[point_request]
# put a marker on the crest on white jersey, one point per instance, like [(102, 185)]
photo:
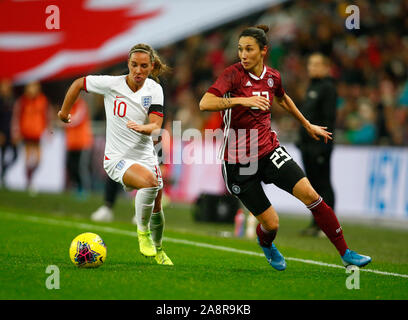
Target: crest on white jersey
[(146, 101), (120, 164), (248, 84)]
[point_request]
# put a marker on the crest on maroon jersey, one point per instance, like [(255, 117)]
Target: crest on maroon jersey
[(236, 189)]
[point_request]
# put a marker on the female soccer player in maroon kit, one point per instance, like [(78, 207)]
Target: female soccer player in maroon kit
[(251, 151)]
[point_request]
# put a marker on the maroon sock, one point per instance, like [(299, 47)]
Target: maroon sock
[(265, 237), (328, 223)]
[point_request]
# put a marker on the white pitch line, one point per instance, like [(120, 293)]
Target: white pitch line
[(88, 226)]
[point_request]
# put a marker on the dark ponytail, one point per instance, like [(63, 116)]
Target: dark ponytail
[(258, 33)]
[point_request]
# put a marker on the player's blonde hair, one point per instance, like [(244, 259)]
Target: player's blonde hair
[(159, 66)]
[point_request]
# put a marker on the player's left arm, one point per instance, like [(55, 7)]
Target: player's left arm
[(313, 130), (155, 114), (151, 128)]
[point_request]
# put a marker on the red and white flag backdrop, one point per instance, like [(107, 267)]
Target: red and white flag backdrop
[(50, 39)]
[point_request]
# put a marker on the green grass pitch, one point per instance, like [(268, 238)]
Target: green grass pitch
[(36, 232)]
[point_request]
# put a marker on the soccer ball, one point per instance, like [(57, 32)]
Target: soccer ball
[(87, 250)]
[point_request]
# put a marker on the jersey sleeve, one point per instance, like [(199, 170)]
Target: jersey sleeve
[(158, 96), (157, 101), (224, 83), (279, 91), (97, 84)]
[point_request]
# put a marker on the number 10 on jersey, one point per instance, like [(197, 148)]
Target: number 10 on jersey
[(119, 109)]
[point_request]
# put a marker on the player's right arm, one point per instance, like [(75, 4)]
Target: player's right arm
[(229, 81), (70, 98), (210, 102)]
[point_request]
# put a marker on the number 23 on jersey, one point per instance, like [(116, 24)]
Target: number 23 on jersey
[(260, 94)]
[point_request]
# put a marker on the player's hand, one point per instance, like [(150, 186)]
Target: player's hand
[(317, 131), (64, 117), (135, 126), (259, 102)]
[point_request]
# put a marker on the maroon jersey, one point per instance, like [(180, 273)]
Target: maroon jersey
[(236, 82)]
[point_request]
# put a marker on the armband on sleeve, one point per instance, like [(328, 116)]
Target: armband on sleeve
[(156, 109)]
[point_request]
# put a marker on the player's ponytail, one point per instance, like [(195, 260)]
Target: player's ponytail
[(263, 27), (258, 33), (159, 67)]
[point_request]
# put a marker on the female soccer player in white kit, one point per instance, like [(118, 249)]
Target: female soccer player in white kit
[(134, 110)]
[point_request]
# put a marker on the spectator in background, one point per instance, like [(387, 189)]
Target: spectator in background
[(105, 212), (31, 119), (319, 107), (6, 141), (384, 100), (402, 112), (360, 119), (79, 139)]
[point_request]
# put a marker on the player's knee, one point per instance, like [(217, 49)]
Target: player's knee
[(152, 182), (269, 220), (304, 191), (272, 225)]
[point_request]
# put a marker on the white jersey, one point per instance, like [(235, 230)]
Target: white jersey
[(122, 105)]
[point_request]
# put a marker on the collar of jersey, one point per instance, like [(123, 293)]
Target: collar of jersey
[(130, 90), (258, 78)]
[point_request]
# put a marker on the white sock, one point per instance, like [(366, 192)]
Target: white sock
[(144, 203), (157, 227)]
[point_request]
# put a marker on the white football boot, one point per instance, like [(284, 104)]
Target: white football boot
[(103, 214)]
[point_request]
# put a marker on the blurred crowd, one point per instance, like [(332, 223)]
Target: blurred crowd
[(27, 118), (369, 64)]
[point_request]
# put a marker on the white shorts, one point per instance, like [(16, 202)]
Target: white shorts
[(116, 168)]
